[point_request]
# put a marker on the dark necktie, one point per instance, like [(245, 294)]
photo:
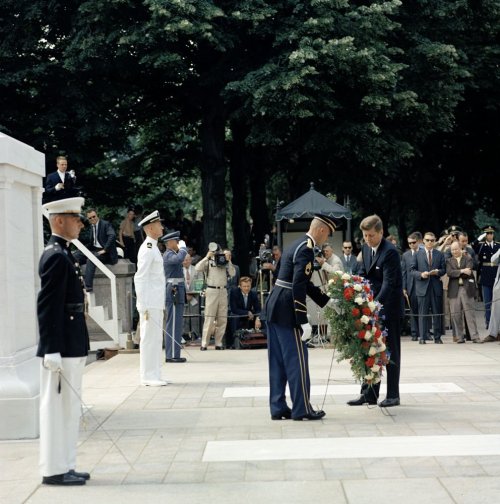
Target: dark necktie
[(430, 258), (94, 235)]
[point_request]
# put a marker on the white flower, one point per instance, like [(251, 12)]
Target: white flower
[(331, 281), (377, 380), (346, 276), (368, 336), (369, 377), (358, 287), (381, 347), (372, 306), (365, 319), (373, 350), (375, 368), (358, 300)]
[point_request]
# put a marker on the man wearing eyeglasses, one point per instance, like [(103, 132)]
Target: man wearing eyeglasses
[(427, 266), (486, 247), (409, 291), (349, 261)]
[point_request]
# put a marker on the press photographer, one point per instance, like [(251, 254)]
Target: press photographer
[(217, 269)]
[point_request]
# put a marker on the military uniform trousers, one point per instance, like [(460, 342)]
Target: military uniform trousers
[(174, 324), (60, 416), (151, 343), (288, 362), (215, 311)]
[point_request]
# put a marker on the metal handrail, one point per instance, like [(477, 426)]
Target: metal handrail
[(112, 277)]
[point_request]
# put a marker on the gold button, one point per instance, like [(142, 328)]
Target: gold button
[(71, 317)]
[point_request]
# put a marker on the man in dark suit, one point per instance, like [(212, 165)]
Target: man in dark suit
[(409, 282), (288, 326), (427, 268), (245, 308), (63, 346), (348, 259), (60, 184), (102, 244), (382, 267)]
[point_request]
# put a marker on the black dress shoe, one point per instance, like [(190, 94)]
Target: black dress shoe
[(83, 475), (66, 479), (360, 401), (176, 359), (284, 415), (421, 342), (439, 341), (388, 402), (219, 348), (314, 415), (203, 348)]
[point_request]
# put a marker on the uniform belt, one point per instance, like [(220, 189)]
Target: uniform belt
[(488, 264), (284, 284), (215, 287), (175, 281), (73, 307)]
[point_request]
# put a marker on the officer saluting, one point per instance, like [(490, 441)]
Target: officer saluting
[(485, 247), (176, 293), (286, 316), (63, 346), (149, 283)]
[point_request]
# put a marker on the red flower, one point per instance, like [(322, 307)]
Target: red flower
[(358, 324), (366, 288), (348, 293), (361, 334), (366, 311), (355, 312), (370, 361)]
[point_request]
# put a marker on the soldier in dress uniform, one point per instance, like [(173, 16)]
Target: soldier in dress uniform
[(175, 294), (288, 326), (149, 283), (63, 346), (485, 247)]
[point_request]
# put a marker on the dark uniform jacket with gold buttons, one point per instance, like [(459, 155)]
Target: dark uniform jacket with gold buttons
[(286, 304), (487, 270), (61, 317)]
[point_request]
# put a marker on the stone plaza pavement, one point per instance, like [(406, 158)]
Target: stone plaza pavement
[(208, 436)]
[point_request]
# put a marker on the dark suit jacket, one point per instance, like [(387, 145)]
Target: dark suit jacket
[(453, 271), (51, 194), (237, 304), (420, 264), (107, 238), (351, 266), (384, 274), (408, 280), (62, 329), (287, 306)]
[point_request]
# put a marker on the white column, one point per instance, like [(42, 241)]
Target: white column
[(21, 243)]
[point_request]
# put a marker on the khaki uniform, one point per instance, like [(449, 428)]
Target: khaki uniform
[(215, 298)]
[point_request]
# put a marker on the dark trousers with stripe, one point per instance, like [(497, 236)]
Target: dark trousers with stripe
[(288, 362)]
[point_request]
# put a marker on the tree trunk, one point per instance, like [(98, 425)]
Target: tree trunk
[(213, 172), (258, 206), (238, 171)]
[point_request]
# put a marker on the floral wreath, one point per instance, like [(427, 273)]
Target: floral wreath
[(357, 332)]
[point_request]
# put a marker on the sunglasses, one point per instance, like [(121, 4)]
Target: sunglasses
[(412, 243), (489, 232), (348, 248), (92, 217), (429, 239)]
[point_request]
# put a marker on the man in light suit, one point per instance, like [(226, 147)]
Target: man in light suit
[(409, 290), (349, 261), (427, 267), (60, 184), (382, 267)]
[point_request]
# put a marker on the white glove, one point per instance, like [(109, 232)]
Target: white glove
[(481, 237), (53, 362), (182, 244), (334, 303), (307, 332), (59, 186)]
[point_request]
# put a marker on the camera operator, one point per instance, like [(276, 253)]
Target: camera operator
[(327, 261), (273, 264), (217, 268)]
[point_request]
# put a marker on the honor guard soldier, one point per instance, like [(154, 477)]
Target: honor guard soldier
[(63, 346), (217, 267), (149, 283), (175, 294), (288, 326), (485, 247)]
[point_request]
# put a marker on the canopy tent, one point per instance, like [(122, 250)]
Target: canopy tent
[(306, 206), (310, 203)]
